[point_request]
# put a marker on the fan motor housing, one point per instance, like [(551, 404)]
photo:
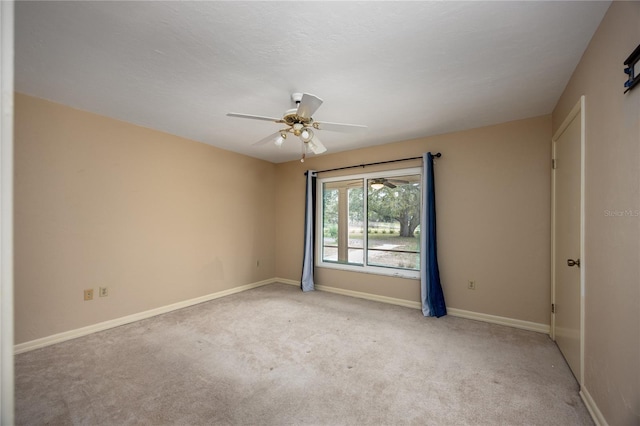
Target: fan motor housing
[(291, 117)]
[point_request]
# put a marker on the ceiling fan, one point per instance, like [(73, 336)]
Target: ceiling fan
[(379, 183), (299, 122)]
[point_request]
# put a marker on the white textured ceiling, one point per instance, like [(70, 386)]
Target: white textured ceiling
[(404, 69)]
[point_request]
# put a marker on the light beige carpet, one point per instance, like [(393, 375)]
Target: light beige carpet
[(276, 356)]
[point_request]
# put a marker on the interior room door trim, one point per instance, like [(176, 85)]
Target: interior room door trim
[(6, 213), (578, 109)]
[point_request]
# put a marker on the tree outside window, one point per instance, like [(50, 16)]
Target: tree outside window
[(379, 233)]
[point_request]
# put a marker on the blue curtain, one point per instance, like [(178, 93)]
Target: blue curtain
[(306, 282), (430, 287)]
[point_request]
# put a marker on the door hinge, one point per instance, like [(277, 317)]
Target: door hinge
[(553, 163), (553, 308)]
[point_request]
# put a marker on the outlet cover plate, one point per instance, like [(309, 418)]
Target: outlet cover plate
[(88, 294)]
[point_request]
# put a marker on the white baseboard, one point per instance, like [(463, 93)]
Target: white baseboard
[(73, 334), (374, 297), (286, 281), (596, 415), (494, 319), (510, 322), (79, 332)]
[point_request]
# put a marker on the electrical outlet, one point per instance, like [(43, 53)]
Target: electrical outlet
[(471, 285), (103, 291), (88, 294)]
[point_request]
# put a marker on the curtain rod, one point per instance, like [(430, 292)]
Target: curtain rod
[(437, 155)]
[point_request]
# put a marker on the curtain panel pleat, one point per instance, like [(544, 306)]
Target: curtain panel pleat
[(306, 282), (430, 287)]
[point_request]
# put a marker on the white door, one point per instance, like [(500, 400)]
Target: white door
[(567, 239)]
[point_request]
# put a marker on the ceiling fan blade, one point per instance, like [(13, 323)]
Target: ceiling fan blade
[(339, 127), (316, 146), (255, 117), (308, 105), (270, 138), (388, 184)]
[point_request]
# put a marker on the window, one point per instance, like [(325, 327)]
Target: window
[(371, 222)]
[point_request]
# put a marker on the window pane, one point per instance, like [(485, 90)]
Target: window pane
[(330, 224), (342, 222), (356, 224), (393, 213)]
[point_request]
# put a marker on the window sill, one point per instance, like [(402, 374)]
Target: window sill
[(390, 272)]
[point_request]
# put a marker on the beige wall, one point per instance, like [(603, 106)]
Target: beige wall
[(493, 206), (612, 243), (156, 218)]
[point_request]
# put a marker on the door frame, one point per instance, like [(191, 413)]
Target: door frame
[(578, 109), (6, 215)]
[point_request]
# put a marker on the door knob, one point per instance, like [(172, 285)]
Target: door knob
[(571, 262)]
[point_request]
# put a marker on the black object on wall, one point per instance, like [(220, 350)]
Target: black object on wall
[(632, 69)]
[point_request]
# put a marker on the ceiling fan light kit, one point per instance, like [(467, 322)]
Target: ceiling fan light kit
[(300, 122), (306, 135), (280, 139)]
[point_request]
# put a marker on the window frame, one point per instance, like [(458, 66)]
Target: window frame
[(319, 231)]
